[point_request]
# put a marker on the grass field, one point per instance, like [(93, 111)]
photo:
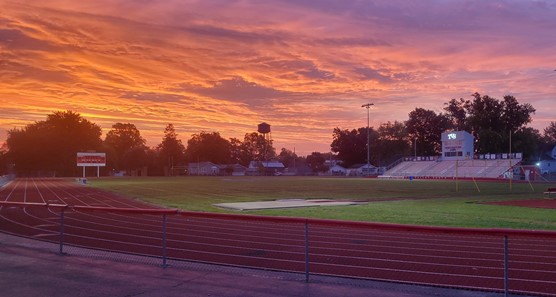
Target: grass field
[(419, 202)]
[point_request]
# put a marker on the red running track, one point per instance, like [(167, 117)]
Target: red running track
[(453, 257)]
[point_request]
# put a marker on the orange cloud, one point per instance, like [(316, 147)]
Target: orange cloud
[(303, 66)]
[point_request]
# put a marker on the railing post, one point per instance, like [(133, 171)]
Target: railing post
[(506, 269), (306, 251), (62, 230), (164, 265)]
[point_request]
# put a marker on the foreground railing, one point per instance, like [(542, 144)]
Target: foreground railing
[(502, 260)]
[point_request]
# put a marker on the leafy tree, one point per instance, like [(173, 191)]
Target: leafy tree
[(550, 133), (490, 120), (316, 161), (426, 126), (4, 160), (351, 146), (171, 150), (236, 152), (457, 112), (527, 141), (52, 145), (126, 141), (208, 147), (287, 157), (256, 148), (392, 143)]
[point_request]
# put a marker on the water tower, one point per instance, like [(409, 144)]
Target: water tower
[(264, 129)]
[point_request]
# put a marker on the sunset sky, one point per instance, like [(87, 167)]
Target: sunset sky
[(305, 67)]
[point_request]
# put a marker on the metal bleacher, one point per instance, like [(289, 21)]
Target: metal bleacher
[(473, 168)]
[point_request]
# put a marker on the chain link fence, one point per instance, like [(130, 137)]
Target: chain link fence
[(498, 260)]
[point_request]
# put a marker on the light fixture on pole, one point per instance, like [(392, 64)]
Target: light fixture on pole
[(368, 106)]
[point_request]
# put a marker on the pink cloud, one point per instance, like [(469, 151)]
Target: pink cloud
[(303, 66)]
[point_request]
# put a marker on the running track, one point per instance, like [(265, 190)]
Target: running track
[(432, 256)]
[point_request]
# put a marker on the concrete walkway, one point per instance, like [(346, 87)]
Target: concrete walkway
[(32, 268)]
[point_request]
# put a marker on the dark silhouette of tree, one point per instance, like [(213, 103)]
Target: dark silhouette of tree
[(491, 121), (126, 141), (393, 142), (4, 161), (550, 133), (288, 157), (527, 140), (256, 148), (457, 112), (208, 147), (52, 145), (316, 161), (171, 150), (351, 146), (426, 126), (236, 152)]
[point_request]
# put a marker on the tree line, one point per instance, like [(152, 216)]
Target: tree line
[(497, 125), (50, 146)]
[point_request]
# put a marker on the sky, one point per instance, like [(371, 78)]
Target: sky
[(303, 66)]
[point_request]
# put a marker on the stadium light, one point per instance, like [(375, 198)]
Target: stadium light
[(368, 106)]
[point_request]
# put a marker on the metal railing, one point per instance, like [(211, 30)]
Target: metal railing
[(501, 260)]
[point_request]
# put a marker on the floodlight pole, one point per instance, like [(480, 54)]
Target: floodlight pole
[(415, 149), (368, 106)]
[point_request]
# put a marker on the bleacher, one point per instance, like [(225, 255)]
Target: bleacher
[(473, 168)]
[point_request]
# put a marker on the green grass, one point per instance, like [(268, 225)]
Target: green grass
[(420, 202)]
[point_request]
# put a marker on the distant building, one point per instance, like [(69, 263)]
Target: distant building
[(362, 170), (265, 168), (232, 169), (203, 168), (338, 170)]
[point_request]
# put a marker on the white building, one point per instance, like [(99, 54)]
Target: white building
[(338, 170)]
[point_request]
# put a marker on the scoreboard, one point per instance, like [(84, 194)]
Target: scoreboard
[(91, 159)]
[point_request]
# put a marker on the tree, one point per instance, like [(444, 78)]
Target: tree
[(426, 127), (125, 138), (351, 146), (171, 150), (316, 161), (52, 145), (550, 133), (208, 147), (236, 152), (287, 157), (527, 140), (490, 120), (457, 112), (256, 148), (392, 143)]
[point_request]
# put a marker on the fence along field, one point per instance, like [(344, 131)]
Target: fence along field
[(468, 258)]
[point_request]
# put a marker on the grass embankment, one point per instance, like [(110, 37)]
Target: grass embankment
[(436, 203)]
